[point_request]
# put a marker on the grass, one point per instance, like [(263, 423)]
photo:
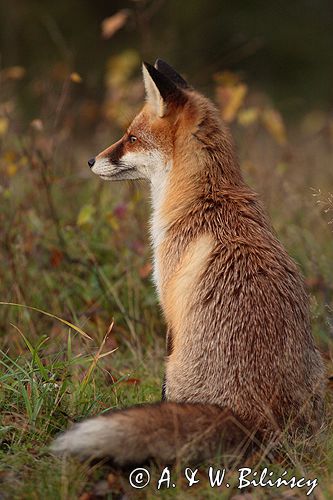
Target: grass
[(75, 257)]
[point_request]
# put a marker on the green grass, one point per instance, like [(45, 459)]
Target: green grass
[(78, 249), (43, 391), (40, 394)]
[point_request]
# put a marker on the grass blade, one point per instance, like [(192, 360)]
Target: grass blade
[(74, 327)]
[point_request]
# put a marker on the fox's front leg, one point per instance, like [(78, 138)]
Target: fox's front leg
[(164, 389), (169, 349)]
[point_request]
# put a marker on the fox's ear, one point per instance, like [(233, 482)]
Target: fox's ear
[(160, 90), (171, 73)]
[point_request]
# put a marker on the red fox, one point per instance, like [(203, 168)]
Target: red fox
[(241, 359)]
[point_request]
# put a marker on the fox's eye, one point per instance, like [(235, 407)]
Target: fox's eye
[(132, 139)]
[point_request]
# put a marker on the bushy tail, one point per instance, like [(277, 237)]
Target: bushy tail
[(165, 432)]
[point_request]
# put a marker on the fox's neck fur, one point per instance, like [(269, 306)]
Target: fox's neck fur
[(198, 185)]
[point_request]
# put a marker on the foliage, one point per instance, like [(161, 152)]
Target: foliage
[(75, 250)]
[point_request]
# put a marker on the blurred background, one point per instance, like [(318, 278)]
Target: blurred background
[(74, 250), (282, 47), (70, 81)]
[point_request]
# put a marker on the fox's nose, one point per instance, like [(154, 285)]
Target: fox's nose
[(91, 162)]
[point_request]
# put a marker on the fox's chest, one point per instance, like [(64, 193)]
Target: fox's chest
[(169, 241), (157, 234), (158, 225)]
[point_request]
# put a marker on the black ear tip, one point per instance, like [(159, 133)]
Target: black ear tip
[(154, 73), (165, 85), (147, 65), (161, 65), (168, 71), (158, 62)]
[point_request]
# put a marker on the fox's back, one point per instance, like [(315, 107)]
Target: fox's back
[(238, 315)]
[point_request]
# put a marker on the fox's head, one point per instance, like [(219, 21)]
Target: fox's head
[(176, 129)]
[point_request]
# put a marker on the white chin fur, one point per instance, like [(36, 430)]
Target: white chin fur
[(103, 168)]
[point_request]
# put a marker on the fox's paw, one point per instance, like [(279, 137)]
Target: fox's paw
[(95, 438)]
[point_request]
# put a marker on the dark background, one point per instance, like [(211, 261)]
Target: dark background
[(283, 47)]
